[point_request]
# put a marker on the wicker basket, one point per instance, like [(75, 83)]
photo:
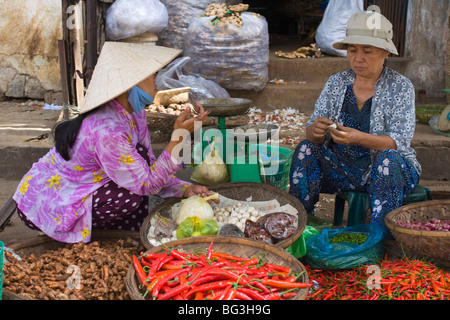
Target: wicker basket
[(39, 245), (429, 244), (160, 126), (240, 247), (237, 191)]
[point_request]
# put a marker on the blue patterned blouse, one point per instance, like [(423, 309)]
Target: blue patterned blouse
[(392, 112)]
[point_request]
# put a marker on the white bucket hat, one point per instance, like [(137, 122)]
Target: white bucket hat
[(368, 27), (121, 66)]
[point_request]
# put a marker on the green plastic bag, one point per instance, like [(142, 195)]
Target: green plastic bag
[(194, 226), (298, 248)]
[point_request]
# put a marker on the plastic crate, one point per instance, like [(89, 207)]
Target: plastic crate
[(2, 246)]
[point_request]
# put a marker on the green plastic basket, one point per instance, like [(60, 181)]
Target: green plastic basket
[(2, 246), (276, 161)]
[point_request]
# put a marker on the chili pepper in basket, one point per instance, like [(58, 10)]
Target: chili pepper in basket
[(227, 256), (139, 270), (166, 278), (183, 286), (227, 273), (255, 295), (280, 295), (209, 286), (209, 254), (228, 294), (284, 284), (156, 278), (210, 274)]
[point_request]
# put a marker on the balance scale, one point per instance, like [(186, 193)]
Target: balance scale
[(240, 147)]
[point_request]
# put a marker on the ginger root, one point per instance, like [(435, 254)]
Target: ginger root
[(102, 268)]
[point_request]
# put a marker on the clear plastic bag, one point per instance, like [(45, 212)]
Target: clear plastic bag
[(173, 76), (333, 26), (236, 58), (181, 13), (324, 255), (130, 18)]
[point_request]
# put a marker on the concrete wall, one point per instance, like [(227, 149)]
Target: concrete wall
[(426, 38), (29, 59)]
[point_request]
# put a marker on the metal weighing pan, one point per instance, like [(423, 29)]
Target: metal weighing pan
[(226, 107), (257, 131)]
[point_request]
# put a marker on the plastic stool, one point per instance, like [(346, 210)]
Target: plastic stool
[(358, 205)]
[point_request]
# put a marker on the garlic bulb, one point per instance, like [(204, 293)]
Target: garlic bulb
[(236, 214)]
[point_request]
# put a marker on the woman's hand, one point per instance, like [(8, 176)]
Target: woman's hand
[(184, 126), (317, 131), (350, 136), (183, 122), (197, 190), (345, 135)]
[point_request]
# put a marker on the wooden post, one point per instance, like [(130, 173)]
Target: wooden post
[(63, 73), (77, 58), (91, 23)]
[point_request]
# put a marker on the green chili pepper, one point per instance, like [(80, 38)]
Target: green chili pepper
[(352, 237)]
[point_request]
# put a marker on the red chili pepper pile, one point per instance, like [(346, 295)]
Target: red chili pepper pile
[(213, 275), (399, 279)]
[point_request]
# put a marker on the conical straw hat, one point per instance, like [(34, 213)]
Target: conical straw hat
[(121, 66)]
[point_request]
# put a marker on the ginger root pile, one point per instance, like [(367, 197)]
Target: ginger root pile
[(173, 108), (224, 14), (52, 275), (310, 51)]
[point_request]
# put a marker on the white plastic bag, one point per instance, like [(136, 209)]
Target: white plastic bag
[(196, 206), (130, 18), (333, 26), (236, 58), (173, 76), (212, 170)]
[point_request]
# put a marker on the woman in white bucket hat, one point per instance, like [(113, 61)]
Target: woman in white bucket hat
[(102, 168), (358, 138)]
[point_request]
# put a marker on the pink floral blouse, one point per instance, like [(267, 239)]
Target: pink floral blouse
[(56, 195)]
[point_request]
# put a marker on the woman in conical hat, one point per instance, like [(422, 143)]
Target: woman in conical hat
[(102, 168), (359, 136)]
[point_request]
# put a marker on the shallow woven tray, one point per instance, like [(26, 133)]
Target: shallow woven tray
[(39, 245), (432, 244), (241, 247), (237, 191)]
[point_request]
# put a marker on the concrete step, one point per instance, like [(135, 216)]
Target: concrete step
[(318, 69), (313, 69)]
